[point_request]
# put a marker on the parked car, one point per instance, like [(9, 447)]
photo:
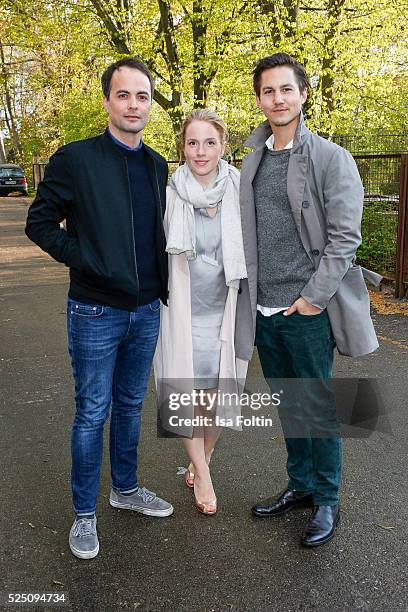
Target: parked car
[(12, 179)]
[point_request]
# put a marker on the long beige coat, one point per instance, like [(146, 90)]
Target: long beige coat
[(173, 360)]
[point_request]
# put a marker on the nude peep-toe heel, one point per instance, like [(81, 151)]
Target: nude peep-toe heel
[(189, 475), (189, 478), (206, 507)]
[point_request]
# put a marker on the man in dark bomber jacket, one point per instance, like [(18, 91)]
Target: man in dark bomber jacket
[(111, 191)]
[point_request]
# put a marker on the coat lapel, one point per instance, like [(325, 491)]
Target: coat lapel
[(296, 182), (297, 174), (250, 166)]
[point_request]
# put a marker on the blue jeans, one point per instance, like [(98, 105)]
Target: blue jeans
[(111, 352)]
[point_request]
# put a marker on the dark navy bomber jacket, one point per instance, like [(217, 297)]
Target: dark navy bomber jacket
[(87, 184)]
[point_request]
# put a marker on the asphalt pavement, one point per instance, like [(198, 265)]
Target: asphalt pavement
[(186, 562)]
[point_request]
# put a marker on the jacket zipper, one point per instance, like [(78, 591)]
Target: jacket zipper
[(158, 193), (161, 215), (133, 231)]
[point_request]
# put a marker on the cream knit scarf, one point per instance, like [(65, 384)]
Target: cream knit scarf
[(190, 194)]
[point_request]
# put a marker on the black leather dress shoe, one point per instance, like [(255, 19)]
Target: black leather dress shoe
[(321, 525), (285, 501)]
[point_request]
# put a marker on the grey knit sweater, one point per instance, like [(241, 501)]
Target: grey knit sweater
[(283, 265)]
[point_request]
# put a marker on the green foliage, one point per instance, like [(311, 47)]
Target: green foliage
[(83, 115), (201, 52), (379, 233)]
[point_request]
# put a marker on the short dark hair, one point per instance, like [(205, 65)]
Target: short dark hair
[(130, 62), (279, 59)]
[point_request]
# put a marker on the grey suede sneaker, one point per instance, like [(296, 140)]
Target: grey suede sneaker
[(143, 501), (83, 539)]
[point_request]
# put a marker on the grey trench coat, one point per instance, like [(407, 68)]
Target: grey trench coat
[(326, 197)]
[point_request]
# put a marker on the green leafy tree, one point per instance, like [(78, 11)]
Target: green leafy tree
[(202, 53)]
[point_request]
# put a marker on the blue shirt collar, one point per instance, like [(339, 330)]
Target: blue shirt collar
[(123, 145)]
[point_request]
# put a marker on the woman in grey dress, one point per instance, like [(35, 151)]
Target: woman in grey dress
[(206, 264)]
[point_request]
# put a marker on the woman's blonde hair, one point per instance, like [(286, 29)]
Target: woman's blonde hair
[(203, 114)]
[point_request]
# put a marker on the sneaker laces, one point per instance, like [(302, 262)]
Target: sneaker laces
[(147, 495), (84, 528)]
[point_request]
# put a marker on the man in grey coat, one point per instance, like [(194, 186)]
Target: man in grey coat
[(301, 204)]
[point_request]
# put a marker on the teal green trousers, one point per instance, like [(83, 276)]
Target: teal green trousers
[(296, 355)]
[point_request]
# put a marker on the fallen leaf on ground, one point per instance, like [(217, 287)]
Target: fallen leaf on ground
[(387, 305), (386, 527)]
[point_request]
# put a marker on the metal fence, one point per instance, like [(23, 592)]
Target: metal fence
[(380, 175), (38, 168), (372, 144), (382, 162)]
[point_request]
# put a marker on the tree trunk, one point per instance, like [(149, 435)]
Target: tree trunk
[(270, 8), (2, 149), (292, 14), (334, 9), (199, 26), (9, 113)]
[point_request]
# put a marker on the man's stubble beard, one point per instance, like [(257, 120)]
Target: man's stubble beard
[(132, 129), (284, 122), (135, 130)]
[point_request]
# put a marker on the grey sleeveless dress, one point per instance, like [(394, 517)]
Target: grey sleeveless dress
[(208, 296)]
